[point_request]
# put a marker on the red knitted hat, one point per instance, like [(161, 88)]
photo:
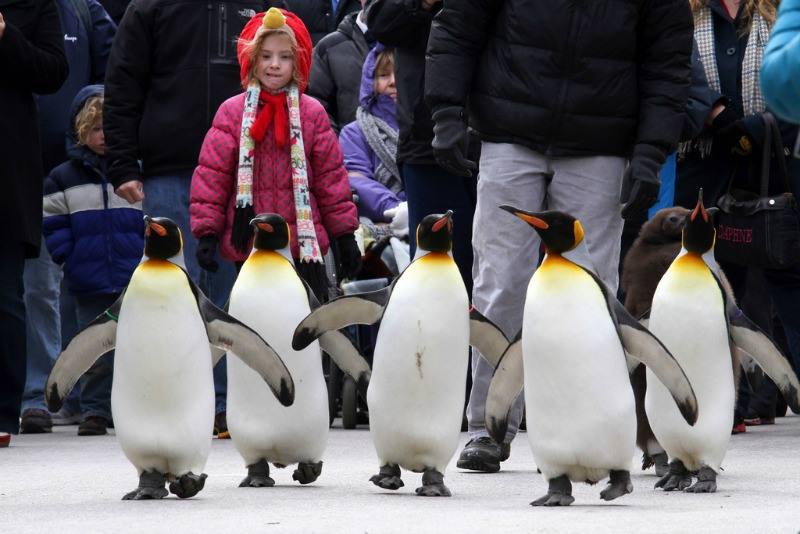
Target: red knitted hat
[(304, 45)]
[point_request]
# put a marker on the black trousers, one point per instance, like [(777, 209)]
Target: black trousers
[(13, 346)]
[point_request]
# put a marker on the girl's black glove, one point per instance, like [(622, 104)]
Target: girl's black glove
[(349, 256), (206, 250)]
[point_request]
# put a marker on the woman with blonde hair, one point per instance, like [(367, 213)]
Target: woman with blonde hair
[(732, 36)]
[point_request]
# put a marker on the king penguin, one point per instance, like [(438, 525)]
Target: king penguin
[(416, 392), (271, 298), (162, 395), (570, 358), (694, 314)]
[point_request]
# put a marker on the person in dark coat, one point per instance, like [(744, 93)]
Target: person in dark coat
[(32, 61), (171, 66), (562, 94), (732, 37), (321, 17), (336, 68), (88, 34), (404, 25), (97, 236)]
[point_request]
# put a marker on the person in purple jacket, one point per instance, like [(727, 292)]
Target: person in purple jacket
[(369, 145)]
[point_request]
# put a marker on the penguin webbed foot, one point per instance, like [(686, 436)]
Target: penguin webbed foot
[(706, 481), (257, 476), (188, 485), (151, 486), (559, 493), (433, 485), (388, 477), (619, 484), (306, 473), (678, 477)]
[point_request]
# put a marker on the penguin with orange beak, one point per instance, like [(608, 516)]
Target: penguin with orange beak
[(570, 358), (695, 316)]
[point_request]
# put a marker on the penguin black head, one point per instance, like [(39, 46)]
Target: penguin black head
[(435, 232), (272, 232), (162, 238), (559, 231), (699, 233)]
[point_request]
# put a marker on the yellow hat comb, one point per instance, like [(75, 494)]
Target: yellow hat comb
[(274, 19)]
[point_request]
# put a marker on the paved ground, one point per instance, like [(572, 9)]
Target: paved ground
[(63, 483)]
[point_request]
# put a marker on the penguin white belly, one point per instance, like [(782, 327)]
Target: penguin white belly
[(688, 317), (416, 392), (580, 407), (162, 397), (270, 298)]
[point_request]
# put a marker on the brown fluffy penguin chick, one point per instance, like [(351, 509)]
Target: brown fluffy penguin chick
[(658, 244)]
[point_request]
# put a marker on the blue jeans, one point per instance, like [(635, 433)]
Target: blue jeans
[(42, 292), (95, 396), (431, 189), (168, 196), (12, 334)]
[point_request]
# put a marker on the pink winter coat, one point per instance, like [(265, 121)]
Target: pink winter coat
[(213, 194)]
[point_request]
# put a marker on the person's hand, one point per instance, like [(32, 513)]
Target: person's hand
[(399, 217), (450, 140), (132, 191), (349, 256), (640, 184), (206, 250), (427, 5), (2, 25)]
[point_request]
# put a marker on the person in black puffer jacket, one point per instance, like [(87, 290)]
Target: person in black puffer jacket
[(173, 62), (562, 93), (335, 76), (321, 17)]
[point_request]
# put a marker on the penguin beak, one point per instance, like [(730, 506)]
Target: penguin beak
[(528, 217), (699, 209), (265, 227), (444, 220)]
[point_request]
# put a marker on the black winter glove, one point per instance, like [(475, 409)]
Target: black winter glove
[(450, 140), (349, 256), (735, 138), (206, 250), (640, 183)]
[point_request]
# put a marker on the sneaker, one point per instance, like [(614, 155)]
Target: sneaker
[(64, 417), (221, 426), (94, 425), (35, 421), (5, 439), (739, 428), (767, 420), (752, 421), (483, 454)]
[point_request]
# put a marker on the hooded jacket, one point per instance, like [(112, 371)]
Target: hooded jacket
[(32, 61), (360, 160), (212, 199), (780, 69), (95, 234), (336, 71)]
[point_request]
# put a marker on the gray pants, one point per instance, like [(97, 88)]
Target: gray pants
[(507, 249)]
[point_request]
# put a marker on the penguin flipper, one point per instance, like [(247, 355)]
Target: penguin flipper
[(753, 341), (507, 383), (347, 358), (99, 337), (487, 337), (231, 335), (364, 308), (642, 345)]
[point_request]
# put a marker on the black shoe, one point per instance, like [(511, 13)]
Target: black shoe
[(483, 454), (221, 426), (36, 421), (94, 425)]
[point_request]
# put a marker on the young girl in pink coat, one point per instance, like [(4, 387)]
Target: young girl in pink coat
[(272, 149)]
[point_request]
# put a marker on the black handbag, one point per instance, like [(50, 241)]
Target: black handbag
[(760, 230)]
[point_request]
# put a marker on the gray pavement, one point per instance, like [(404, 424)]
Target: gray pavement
[(64, 483)]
